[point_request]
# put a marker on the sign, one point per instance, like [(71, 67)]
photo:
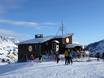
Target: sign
[(67, 40), (57, 48), (30, 48)]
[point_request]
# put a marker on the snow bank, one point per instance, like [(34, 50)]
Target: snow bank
[(91, 69), (8, 49)]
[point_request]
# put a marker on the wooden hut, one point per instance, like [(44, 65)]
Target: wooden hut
[(30, 49)]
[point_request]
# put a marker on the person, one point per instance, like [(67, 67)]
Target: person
[(70, 57), (103, 56), (40, 57), (66, 56), (78, 54), (74, 55), (57, 57), (32, 57), (98, 56)]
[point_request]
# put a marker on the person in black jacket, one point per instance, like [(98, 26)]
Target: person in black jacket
[(98, 56), (103, 56), (57, 57), (40, 57), (70, 56)]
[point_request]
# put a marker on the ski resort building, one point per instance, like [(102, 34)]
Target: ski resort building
[(31, 49)]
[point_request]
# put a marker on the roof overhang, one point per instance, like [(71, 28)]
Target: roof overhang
[(72, 45), (44, 39)]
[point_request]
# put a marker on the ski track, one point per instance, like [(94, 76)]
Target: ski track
[(54, 70)]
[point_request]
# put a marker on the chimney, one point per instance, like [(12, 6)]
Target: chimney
[(39, 36)]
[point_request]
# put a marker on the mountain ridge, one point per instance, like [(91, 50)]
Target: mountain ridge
[(96, 47)]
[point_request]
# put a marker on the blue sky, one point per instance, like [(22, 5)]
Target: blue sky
[(25, 18)]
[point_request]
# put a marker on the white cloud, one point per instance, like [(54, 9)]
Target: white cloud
[(19, 23), (48, 23), (26, 23)]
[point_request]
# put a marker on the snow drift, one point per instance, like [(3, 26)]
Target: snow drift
[(8, 49)]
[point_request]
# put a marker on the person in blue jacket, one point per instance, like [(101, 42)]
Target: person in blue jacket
[(70, 57)]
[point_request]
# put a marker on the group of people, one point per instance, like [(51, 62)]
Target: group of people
[(68, 56)]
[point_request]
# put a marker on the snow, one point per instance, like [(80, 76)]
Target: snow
[(8, 49), (81, 68), (44, 39), (36, 40), (96, 47), (92, 69)]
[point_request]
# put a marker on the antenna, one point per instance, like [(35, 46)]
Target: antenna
[(61, 29)]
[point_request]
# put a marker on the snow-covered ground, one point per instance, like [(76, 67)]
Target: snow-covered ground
[(92, 69), (8, 49)]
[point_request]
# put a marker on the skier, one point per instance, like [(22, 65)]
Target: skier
[(103, 56), (66, 56), (97, 56), (74, 55), (78, 54), (70, 57), (40, 57), (57, 56), (32, 57)]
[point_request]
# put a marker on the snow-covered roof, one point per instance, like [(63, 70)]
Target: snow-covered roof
[(42, 40), (56, 41), (72, 45), (36, 40)]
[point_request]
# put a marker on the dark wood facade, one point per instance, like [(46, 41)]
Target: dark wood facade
[(30, 51)]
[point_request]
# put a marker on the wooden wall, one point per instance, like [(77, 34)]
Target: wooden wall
[(24, 54)]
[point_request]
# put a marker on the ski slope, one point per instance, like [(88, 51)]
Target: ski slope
[(51, 69)]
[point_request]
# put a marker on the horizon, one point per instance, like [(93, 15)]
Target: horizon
[(23, 19)]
